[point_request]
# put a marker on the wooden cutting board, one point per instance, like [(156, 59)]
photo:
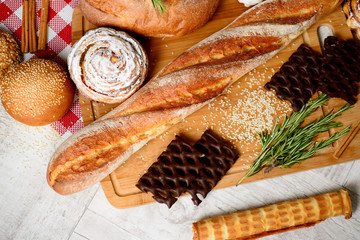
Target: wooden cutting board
[(231, 115)]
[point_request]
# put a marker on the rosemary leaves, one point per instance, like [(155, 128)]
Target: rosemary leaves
[(288, 143), (159, 6)]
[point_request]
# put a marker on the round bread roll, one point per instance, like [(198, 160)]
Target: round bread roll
[(37, 92), (107, 65), (10, 53), (140, 16)]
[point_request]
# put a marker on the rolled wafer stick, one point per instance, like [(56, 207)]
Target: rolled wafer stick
[(349, 137), (43, 25), (274, 218), (25, 28)]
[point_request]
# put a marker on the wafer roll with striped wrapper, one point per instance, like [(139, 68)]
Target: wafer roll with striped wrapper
[(275, 218)]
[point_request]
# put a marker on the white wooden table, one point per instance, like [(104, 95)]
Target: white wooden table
[(29, 209)]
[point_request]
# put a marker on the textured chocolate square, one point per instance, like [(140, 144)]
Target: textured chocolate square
[(340, 70), (218, 158), (172, 173), (297, 79), (185, 168), (335, 73)]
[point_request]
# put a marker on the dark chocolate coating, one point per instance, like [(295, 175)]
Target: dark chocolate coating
[(171, 175), (297, 79), (335, 73), (340, 70), (218, 158), (184, 168)]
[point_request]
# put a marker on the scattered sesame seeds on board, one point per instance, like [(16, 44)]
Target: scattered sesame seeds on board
[(247, 109)]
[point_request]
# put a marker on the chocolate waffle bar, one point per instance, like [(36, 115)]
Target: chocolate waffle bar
[(184, 168), (275, 218), (335, 73), (297, 79), (340, 69), (171, 175), (218, 157)]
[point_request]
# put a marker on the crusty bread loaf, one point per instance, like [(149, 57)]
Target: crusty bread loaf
[(140, 16), (186, 84), (275, 218)]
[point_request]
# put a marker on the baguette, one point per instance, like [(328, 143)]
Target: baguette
[(185, 85), (275, 218)]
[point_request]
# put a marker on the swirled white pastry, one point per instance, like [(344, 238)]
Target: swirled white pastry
[(107, 65)]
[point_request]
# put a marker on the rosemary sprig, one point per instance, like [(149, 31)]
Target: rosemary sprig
[(288, 143), (159, 6)]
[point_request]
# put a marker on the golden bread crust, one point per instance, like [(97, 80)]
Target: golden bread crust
[(10, 53), (181, 17), (37, 92)]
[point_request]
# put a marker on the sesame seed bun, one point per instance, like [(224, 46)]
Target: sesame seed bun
[(10, 53), (37, 92)]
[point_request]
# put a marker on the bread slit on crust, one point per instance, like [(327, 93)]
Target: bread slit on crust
[(275, 218), (186, 84)]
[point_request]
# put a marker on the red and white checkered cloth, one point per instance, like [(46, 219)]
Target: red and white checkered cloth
[(58, 46)]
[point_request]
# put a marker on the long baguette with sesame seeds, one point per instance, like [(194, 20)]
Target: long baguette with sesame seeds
[(189, 82)]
